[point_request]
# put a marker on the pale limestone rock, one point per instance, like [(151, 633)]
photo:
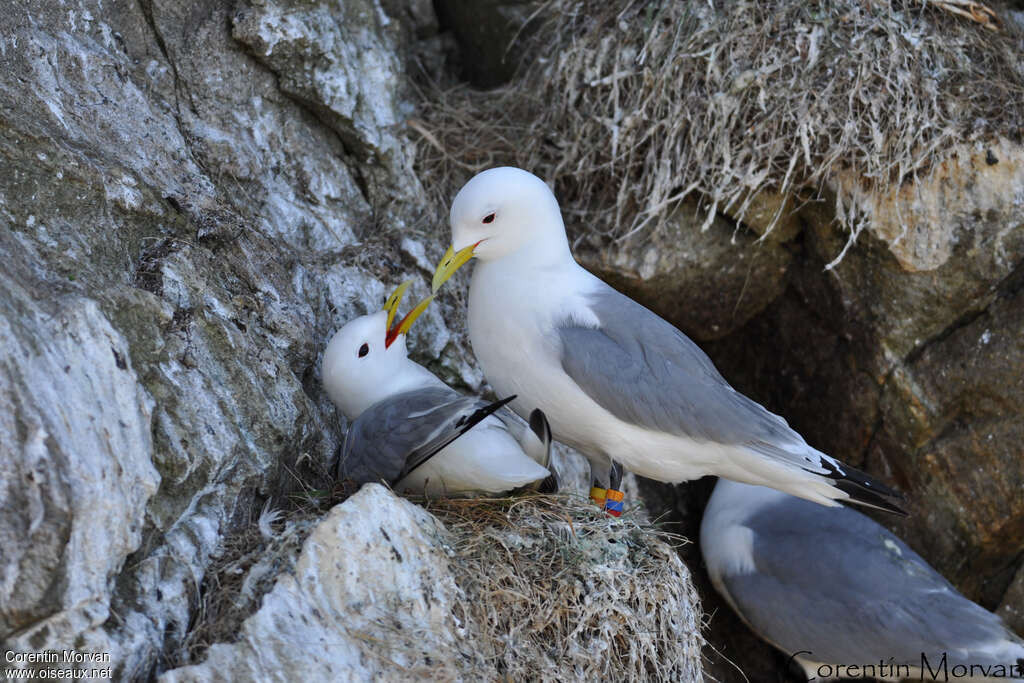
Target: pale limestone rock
[(371, 598), (341, 59), (163, 199), (76, 466)]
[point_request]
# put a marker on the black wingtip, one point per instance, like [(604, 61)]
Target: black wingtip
[(615, 475), (550, 484), (465, 423), (539, 425), (864, 489), (869, 499)]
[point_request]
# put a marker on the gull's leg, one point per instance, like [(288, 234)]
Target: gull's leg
[(608, 498), (613, 496), (598, 474), (615, 475)]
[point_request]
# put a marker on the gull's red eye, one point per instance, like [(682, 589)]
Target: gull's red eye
[(489, 218), (363, 350)]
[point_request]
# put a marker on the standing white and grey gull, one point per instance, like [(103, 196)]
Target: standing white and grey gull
[(842, 596), (415, 432), (615, 380)]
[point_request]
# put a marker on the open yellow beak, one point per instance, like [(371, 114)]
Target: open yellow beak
[(451, 262), (391, 306)]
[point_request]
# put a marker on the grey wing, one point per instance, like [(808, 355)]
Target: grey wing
[(833, 582), (380, 442), (457, 423), (646, 372)]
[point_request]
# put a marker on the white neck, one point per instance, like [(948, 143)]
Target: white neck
[(409, 376)]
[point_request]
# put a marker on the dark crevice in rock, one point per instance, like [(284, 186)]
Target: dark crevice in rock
[(354, 160), (147, 274), (1006, 287), (147, 11)]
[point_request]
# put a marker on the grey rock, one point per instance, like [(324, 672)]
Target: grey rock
[(341, 59), (182, 236), (707, 280), (195, 197), (371, 596), (76, 465)]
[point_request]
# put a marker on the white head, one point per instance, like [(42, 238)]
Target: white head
[(365, 362), (500, 212)]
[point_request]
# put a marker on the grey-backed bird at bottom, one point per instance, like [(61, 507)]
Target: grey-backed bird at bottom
[(837, 592), (615, 380), (415, 432)]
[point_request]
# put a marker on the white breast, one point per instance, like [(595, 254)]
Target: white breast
[(511, 323), (486, 459)]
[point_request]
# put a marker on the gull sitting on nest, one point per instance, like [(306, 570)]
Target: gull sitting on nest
[(615, 380), (843, 596), (412, 430)]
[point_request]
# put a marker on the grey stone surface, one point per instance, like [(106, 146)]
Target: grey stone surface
[(371, 597), (195, 196), (179, 234), (709, 281)]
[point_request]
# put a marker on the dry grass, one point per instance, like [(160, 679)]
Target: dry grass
[(630, 107), (236, 581), (556, 589)]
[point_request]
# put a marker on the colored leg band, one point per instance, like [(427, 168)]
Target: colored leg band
[(598, 494), (613, 504)]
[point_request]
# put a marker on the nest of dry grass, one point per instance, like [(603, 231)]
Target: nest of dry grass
[(557, 589), (554, 587), (632, 107)]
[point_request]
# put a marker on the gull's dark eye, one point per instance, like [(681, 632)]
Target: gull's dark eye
[(489, 218), (363, 350)]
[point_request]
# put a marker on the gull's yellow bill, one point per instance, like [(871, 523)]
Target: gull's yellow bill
[(391, 306), (451, 262)]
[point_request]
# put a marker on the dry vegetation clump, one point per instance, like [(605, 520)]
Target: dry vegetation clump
[(554, 588), (557, 589), (243, 572), (630, 107)]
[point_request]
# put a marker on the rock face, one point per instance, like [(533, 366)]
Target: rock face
[(371, 596), (708, 281), (184, 218), (195, 196), (77, 471)]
